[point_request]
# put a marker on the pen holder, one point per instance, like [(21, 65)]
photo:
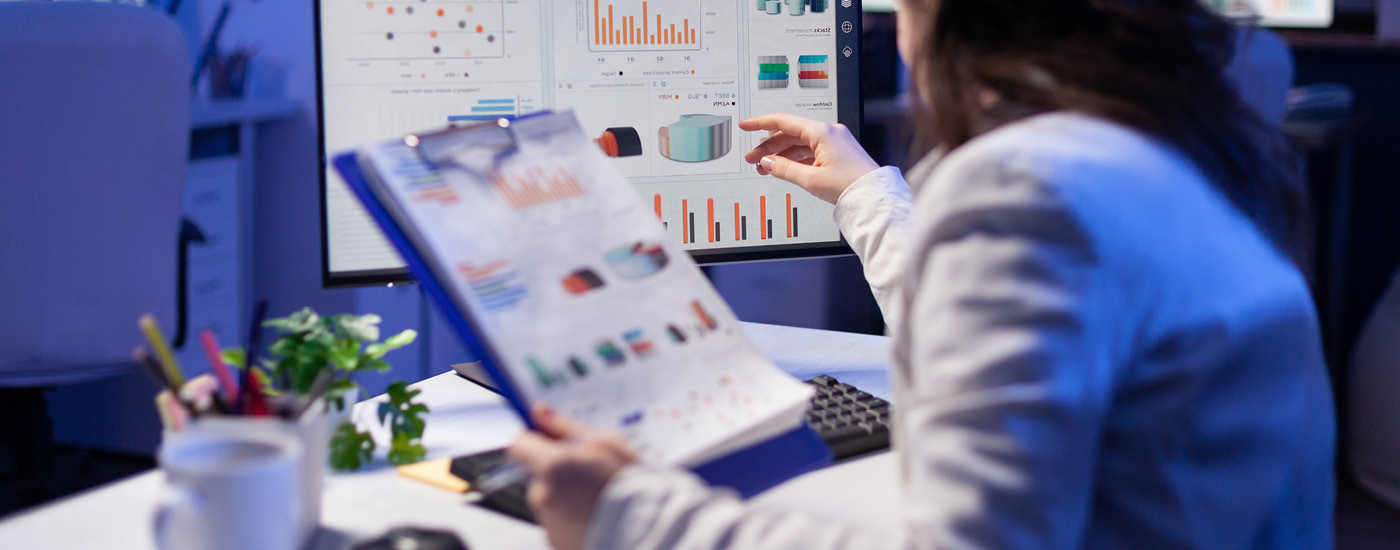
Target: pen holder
[(313, 430)]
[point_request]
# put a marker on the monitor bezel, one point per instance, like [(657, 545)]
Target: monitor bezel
[(851, 114)]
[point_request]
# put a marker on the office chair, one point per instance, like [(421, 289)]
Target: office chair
[(1373, 406), (94, 138)]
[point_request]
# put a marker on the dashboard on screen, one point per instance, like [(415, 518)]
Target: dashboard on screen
[(659, 84), (1279, 13)]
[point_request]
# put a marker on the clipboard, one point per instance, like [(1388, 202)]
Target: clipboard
[(748, 471)]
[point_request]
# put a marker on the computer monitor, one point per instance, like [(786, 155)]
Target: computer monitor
[(1279, 13), (660, 84)]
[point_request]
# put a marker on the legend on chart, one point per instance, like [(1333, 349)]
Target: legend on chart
[(649, 25)]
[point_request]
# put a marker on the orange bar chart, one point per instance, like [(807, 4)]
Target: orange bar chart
[(713, 230), (762, 217), (538, 187), (670, 24), (789, 215), (710, 207)]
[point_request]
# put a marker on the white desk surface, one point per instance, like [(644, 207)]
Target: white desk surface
[(464, 419)]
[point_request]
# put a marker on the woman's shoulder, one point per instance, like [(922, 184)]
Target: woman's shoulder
[(1076, 163), (1064, 148)]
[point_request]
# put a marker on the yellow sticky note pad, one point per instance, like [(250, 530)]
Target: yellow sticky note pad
[(435, 472)]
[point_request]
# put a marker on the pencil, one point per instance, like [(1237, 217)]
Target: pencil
[(162, 349), (153, 368), (216, 360)]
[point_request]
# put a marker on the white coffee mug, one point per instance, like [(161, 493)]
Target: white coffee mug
[(230, 490)]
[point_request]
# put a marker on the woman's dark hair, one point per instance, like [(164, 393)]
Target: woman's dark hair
[(1154, 65)]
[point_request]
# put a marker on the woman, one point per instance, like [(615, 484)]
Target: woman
[(1102, 337)]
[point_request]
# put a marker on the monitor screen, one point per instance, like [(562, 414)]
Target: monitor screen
[(659, 84), (1279, 13)]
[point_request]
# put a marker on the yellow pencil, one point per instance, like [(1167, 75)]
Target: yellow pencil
[(162, 349)]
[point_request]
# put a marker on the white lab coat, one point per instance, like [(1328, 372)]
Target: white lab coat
[(1092, 348)]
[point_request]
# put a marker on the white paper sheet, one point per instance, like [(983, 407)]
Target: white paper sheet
[(574, 283)]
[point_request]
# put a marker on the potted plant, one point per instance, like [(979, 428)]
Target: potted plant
[(317, 354)]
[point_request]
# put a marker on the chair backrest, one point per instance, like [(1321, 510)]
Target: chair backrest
[(94, 142), (1373, 400)]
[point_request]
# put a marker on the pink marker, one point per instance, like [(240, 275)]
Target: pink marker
[(216, 359)]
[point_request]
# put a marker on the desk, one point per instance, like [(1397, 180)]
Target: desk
[(466, 418)]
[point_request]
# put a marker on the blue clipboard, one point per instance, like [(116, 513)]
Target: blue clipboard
[(748, 471)]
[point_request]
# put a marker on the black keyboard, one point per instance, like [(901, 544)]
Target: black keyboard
[(851, 422), (510, 500)]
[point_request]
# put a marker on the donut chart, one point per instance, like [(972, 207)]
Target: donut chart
[(620, 142), (696, 138)]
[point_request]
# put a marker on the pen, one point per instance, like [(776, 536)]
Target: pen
[(499, 478), (152, 368), (216, 360), (162, 349), (250, 354)]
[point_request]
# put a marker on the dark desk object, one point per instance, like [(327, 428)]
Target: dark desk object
[(1332, 140), (414, 538)]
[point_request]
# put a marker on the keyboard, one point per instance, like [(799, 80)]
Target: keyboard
[(851, 422)]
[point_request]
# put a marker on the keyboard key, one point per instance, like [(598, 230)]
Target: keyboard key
[(824, 380)]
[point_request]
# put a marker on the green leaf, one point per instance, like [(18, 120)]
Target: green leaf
[(265, 381), (286, 345), (364, 328), (385, 410), (406, 450), (305, 320), (394, 342), (345, 354), (350, 448), (233, 356)]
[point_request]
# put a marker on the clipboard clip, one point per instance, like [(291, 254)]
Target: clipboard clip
[(441, 149)]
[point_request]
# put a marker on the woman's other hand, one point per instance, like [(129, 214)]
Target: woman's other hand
[(568, 468), (822, 158)]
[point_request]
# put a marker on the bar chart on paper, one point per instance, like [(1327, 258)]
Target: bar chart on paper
[(643, 25), (429, 29), (729, 220), (538, 186)]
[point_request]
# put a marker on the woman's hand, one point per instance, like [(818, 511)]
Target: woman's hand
[(568, 470), (822, 158)]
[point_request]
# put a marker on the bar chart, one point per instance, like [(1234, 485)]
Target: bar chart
[(649, 25), (706, 220), (488, 109), (536, 187)]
